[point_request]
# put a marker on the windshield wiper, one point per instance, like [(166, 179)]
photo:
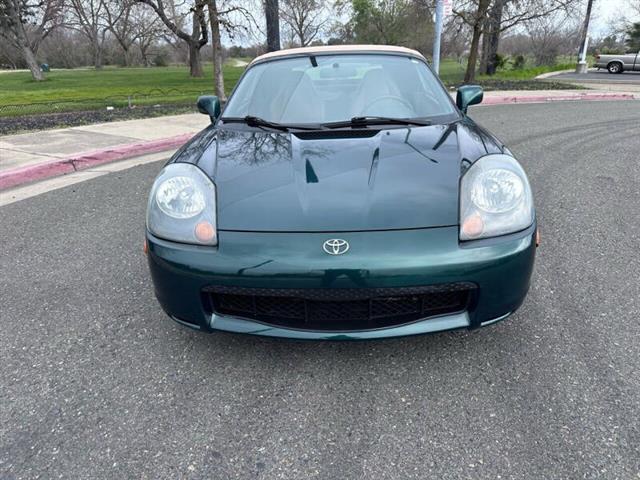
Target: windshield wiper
[(261, 122), (374, 120)]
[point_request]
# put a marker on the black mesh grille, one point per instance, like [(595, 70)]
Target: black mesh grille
[(340, 309)]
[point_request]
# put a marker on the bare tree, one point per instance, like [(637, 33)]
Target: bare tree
[(548, 37), (118, 15), (195, 39), (306, 19), (507, 14), (133, 25), (65, 48), (489, 19), (271, 13), (231, 18), (89, 18), (455, 41), (216, 43), (473, 13), (147, 29), (15, 15)]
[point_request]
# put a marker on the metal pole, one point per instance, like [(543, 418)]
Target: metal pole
[(584, 52), (581, 67), (436, 41)]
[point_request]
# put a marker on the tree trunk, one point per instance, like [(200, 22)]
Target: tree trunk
[(484, 55), (126, 56), (195, 62), (216, 43), (21, 39), (30, 60), (470, 74), (491, 39), (271, 13), (97, 55), (492, 53)]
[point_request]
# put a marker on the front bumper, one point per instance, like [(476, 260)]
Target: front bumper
[(500, 267)]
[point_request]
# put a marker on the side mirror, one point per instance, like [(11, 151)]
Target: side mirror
[(209, 105), (468, 95)]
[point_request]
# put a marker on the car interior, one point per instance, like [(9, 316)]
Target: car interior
[(295, 91)]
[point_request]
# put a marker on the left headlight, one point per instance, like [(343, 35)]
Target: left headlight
[(495, 198), (182, 205)]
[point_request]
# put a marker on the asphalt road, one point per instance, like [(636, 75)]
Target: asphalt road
[(600, 76), (95, 382)]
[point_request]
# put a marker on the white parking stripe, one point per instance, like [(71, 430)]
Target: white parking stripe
[(38, 188)]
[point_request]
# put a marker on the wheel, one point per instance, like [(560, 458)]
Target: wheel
[(614, 67)]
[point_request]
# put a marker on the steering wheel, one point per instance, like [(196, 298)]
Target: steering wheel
[(395, 98)]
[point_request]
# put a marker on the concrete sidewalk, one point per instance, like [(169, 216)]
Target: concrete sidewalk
[(49, 145), (34, 156)]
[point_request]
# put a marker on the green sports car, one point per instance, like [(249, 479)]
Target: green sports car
[(341, 194)]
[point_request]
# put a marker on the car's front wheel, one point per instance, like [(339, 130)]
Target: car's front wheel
[(614, 67)]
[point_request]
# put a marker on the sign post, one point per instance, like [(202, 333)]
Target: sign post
[(436, 41), (443, 9)]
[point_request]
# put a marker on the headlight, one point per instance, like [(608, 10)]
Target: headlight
[(495, 198), (182, 205)]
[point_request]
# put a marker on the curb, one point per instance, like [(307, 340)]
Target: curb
[(542, 76), (51, 168), (508, 99)]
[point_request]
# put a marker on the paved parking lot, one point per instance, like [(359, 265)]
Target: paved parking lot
[(600, 76), (95, 382)]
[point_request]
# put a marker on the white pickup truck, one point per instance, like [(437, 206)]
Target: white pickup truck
[(619, 63)]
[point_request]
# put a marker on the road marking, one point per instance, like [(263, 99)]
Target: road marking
[(27, 191)]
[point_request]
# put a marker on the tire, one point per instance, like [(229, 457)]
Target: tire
[(614, 67)]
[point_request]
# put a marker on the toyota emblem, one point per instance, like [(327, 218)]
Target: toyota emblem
[(335, 246)]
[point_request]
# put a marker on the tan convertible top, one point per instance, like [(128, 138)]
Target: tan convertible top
[(292, 52)]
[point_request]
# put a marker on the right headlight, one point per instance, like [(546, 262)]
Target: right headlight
[(495, 198), (182, 205)]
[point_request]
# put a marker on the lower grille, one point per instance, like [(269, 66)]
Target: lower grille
[(340, 309)]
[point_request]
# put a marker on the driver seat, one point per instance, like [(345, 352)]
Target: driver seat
[(375, 84)]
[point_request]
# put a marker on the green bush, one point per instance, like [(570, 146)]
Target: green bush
[(501, 61), (518, 62), (161, 60)]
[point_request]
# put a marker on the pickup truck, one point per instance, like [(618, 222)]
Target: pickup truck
[(619, 63)]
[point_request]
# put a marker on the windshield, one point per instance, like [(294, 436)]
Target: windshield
[(332, 88)]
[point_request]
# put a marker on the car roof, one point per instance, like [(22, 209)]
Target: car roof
[(337, 49)]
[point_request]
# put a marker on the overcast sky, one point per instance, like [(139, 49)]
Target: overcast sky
[(606, 11)]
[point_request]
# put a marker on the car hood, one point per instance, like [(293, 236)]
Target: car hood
[(398, 178)]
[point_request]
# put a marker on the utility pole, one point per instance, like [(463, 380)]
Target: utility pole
[(436, 41), (581, 67)]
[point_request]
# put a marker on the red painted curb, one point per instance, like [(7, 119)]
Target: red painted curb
[(52, 168), (506, 99)]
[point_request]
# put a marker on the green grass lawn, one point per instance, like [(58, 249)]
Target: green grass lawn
[(452, 72), (90, 88), (528, 73)]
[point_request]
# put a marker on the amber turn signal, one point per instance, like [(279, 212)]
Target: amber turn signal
[(473, 226), (204, 232)]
